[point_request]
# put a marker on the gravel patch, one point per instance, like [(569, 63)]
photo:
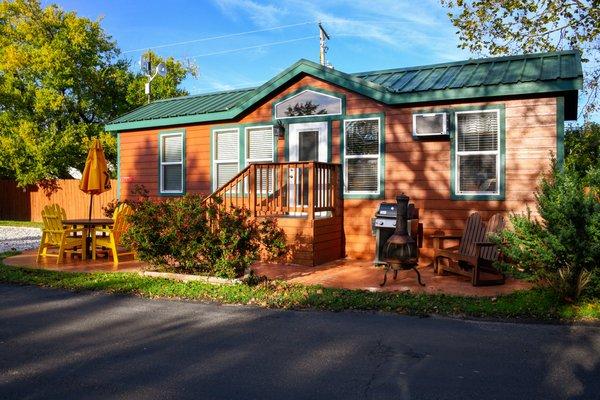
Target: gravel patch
[(19, 238)]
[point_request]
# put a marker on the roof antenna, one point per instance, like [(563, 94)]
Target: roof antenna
[(323, 38), (146, 64)]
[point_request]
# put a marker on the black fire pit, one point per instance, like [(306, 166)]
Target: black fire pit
[(401, 252)]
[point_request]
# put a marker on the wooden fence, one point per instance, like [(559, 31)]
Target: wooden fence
[(26, 204)]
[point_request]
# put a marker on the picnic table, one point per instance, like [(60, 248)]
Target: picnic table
[(88, 225)]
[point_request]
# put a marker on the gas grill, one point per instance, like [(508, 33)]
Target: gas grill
[(383, 225)]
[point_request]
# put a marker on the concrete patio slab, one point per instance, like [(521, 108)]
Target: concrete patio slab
[(343, 274)]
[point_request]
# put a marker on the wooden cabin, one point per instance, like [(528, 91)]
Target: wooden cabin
[(319, 149)]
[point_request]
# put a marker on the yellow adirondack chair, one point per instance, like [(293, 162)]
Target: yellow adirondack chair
[(111, 237), (55, 234)]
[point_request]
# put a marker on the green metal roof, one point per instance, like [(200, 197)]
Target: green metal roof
[(471, 79), (187, 105), (479, 72)]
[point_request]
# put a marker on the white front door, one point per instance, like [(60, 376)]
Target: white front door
[(307, 142)]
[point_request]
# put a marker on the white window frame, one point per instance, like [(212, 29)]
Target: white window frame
[(226, 161), (249, 160), (307, 116), (457, 153), (247, 149), (163, 163), (365, 156), (444, 128)]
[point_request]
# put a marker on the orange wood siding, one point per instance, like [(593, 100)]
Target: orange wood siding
[(421, 169)]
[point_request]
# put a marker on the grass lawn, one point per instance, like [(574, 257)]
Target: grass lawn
[(21, 223), (537, 304)]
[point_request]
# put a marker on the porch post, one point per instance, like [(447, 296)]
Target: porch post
[(311, 190)]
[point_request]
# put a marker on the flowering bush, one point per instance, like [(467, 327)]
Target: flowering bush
[(185, 235)]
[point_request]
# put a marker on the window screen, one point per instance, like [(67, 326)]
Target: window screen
[(226, 157), (477, 155), (429, 124), (361, 156), (171, 163)]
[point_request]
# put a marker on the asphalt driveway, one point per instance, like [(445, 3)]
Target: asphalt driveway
[(61, 345)]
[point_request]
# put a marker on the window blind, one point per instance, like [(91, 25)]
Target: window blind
[(226, 171), (361, 156), (362, 174), (226, 162), (260, 144), (477, 152), (478, 131), (227, 145), (171, 168), (172, 148)]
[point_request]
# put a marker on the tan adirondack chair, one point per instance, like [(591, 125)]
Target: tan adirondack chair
[(55, 234), (111, 237), (475, 253)]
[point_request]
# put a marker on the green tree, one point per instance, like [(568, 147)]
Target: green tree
[(526, 26), (582, 149), (61, 80)]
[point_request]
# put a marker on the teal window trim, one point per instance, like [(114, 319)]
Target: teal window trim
[(161, 134), (242, 141), (380, 194), (560, 132), (319, 117), (118, 166), (500, 195)]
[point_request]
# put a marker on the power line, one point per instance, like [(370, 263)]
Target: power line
[(218, 37), (251, 47)]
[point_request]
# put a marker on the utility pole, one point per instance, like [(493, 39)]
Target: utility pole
[(323, 38)]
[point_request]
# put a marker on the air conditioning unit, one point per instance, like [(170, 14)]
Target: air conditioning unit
[(430, 124)]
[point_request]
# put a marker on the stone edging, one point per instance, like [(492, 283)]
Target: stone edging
[(190, 278)]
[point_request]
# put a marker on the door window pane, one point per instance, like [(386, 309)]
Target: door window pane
[(308, 146)]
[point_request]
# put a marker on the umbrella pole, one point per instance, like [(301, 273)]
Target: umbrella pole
[(91, 204)]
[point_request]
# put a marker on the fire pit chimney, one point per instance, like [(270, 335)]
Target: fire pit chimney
[(400, 251)]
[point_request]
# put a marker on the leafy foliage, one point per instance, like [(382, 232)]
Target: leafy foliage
[(515, 26), (61, 79), (185, 235), (562, 247), (582, 149)]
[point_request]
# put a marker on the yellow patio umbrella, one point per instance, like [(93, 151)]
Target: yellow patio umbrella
[(95, 178)]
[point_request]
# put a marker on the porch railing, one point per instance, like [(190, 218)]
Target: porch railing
[(310, 189)]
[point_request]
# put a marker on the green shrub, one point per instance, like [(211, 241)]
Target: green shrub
[(139, 190), (562, 246), (185, 235)]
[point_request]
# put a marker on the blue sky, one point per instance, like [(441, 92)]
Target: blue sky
[(366, 35)]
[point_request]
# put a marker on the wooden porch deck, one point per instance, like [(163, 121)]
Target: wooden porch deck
[(344, 274)]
